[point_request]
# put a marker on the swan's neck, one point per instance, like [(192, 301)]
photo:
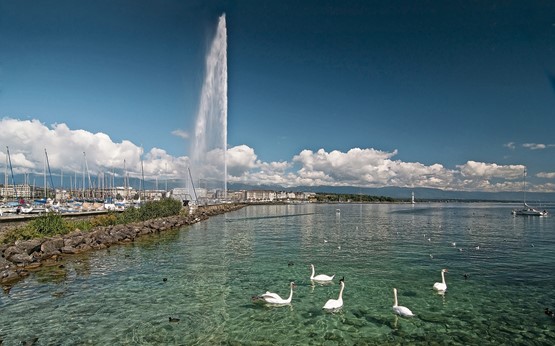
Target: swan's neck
[(312, 275), (443, 277), (290, 295), (341, 291), (395, 298)]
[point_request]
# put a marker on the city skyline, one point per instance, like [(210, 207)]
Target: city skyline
[(454, 96)]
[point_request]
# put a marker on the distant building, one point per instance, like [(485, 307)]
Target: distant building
[(260, 196)]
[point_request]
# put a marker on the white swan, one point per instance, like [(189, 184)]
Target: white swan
[(334, 304), (441, 286), (274, 298), (320, 277), (400, 310)]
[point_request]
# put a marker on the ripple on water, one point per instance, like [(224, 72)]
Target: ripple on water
[(213, 268)]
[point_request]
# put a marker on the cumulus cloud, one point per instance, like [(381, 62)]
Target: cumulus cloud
[(510, 145), (359, 167), (74, 150), (475, 169), (367, 168), (547, 175)]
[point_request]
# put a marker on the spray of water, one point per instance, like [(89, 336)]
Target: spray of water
[(208, 156)]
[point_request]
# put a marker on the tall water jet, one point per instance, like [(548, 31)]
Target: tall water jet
[(208, 154)]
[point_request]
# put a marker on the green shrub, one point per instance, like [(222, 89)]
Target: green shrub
[(104, 220), (50, 224), (22, 233)]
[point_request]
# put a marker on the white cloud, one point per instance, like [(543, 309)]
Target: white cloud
[(482, 170), (367, 168), (180, 133), (548, 175), (534, 146), (510, 145), (27, 140)]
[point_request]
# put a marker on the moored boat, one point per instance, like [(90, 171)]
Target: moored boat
[(529, 211)]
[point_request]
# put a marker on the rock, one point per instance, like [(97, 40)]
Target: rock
[(8, 276), (84, 247), (21, 258), (52, 246), (69, 250), (5, 264), (74, 241), (11, 251), (29, 246)]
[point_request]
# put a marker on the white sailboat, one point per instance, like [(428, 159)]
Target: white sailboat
[(526, 209)]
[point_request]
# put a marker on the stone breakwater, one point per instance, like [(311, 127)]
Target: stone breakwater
[(17, 259)]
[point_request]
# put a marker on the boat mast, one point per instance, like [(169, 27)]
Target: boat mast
[(6, 179), (524, 179), (47, 164), (142, 181), (192, 184), (125, 180), (11, 169)]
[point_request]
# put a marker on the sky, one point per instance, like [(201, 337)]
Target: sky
[(456, 95)]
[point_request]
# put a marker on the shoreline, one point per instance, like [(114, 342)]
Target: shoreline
[(19, 258)]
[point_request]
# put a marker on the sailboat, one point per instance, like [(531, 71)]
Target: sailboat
[(526, 209)]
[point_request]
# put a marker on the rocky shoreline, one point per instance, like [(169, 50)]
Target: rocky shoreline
[(16, 260)]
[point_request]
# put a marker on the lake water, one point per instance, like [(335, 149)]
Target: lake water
[(213, 268)]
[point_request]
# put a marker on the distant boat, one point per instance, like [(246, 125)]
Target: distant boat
[(412, 198), (529, 211), (526, 209)]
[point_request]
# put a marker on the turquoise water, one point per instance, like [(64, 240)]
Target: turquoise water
[(213, 268)]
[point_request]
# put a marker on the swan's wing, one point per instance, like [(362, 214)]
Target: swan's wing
[(440, 286), (322, 277), (270, 295), (331, 304), (403, 311)]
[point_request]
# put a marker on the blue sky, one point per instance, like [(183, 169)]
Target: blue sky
[(446, 94)]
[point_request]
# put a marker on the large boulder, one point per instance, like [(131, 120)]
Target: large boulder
[(12, 251), (21, 258), (52, 247), (69, 250), (74, 241), (29, 246), (5, 264)]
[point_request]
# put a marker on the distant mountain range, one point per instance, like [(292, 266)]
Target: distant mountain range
[(419, 193)]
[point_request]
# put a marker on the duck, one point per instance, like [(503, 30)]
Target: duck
[(400, 310), (320, 277), (335, 304), (274, 298), (174, 319), (441, 286)]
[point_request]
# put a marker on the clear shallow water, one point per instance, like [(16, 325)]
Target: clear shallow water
[(118, 296)]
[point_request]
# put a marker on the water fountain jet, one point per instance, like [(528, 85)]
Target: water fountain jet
[(208, 154)]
